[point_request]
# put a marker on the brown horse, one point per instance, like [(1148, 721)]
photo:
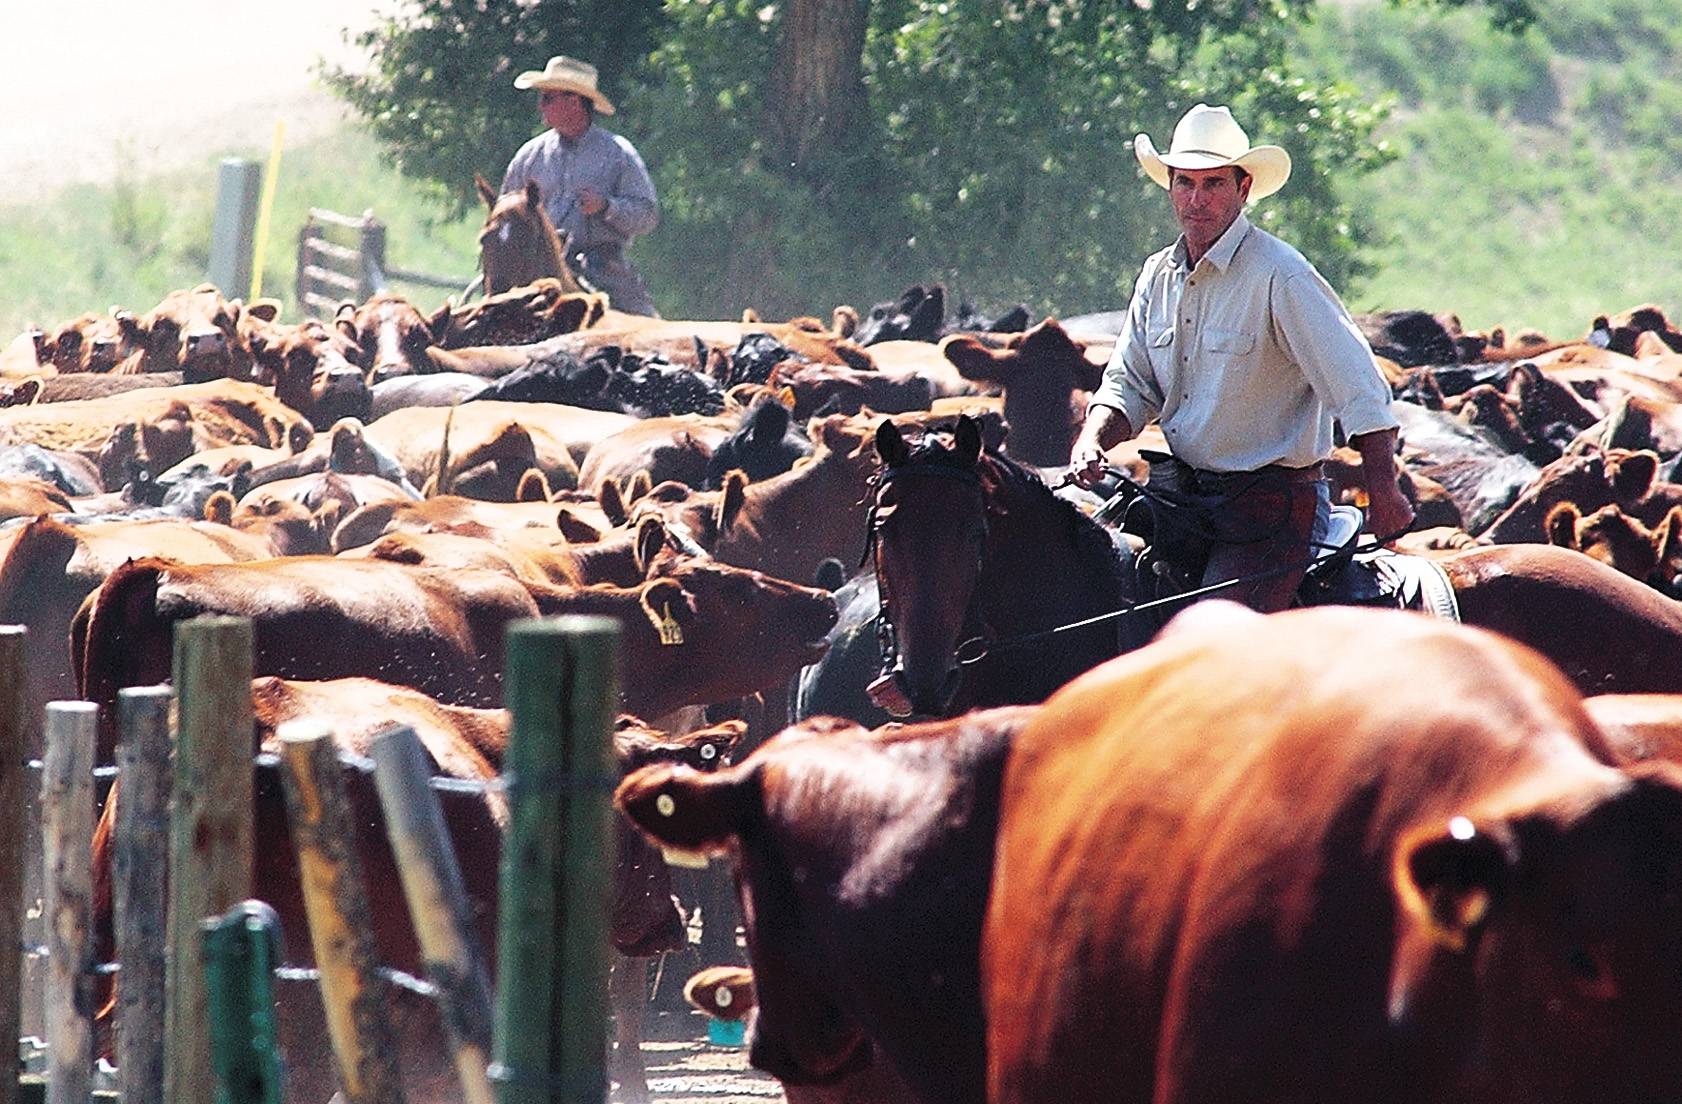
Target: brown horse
[(977, 561), (518, 244)]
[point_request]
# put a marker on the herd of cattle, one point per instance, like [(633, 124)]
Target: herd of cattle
[(1327, 854)]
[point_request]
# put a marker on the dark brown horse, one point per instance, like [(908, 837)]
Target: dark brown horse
[(518, 244), (977, 561)]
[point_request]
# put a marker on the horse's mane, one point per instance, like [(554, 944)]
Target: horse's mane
[(1003, 476)]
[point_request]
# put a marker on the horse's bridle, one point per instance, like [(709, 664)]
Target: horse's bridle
[(886, 641)]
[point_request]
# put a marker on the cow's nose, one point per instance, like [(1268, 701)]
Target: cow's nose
[(204, 341)]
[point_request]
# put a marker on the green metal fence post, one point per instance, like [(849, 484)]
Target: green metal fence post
[(241, 949), (549, 1036)]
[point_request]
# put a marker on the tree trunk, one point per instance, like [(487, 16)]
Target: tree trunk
[(816, 93)]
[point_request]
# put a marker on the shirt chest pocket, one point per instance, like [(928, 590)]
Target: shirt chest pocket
[(1233, 343), (1161, 347)]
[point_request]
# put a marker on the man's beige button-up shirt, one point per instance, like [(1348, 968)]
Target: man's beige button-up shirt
[(1244, 360)]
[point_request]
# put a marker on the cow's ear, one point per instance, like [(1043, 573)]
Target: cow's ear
[(1447, 882), (1632, 476), (264, 310), (570, 314), (1561, 525), (612, 502), (890, 445), (844, 320), (717, 743), (681, 807), (534, 195), (219, 508), (575, 529), (750, 317), (651, 538), (975, 361), (534, 486), (483, 187), (664, 602), (731, 498), (637, 486)]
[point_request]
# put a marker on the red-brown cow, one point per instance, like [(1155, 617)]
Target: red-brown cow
[(47, 569), (694, 634), (197, 332), (862, 861), (1255, 861), (1041, 372)]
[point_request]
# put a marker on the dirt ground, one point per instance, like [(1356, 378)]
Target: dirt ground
[(96, 87)]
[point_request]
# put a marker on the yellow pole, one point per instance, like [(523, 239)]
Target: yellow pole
[(264, 205)]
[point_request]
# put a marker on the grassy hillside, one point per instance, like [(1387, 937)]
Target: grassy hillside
[(130, 243), (1539, 180)]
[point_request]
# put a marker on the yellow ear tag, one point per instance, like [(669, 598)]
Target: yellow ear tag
[(670, 631)]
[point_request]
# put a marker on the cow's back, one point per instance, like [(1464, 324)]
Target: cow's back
[(1193, 886)]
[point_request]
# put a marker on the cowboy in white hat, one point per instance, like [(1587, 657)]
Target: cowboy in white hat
[(594, 184), (1244, 355)]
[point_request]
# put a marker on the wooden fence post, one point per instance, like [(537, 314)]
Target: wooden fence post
[(209, 831), (550, 1031), (141, 856), (341, 929), (432, 885), (14, 751), (67, 828)]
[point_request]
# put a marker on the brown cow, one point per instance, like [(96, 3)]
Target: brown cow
[(1588, 481), (1042, 373), (523, 315), (694, 634), (197, 332), (1223, 879), (675, 447), (480, 434), (311, 369), (48, 568), (1623, 543), (190, 418), (390, 334), (862, 861)]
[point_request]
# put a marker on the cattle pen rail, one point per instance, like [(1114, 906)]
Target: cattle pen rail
[(561, 687), (343, 258)]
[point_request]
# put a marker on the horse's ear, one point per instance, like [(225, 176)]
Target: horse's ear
[(534, 195), (966, 439), (486, 192), (440, 323), (890, 446)]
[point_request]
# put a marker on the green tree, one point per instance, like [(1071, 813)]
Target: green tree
[(810, 152), (440, 93)]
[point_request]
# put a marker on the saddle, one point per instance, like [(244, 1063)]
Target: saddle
[(1341, 574)]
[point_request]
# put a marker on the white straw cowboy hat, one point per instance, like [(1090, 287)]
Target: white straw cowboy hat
[(564, 74), (1209, 138)]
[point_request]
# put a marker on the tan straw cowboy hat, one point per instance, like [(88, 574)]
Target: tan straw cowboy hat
[(1208, 138), (564, 74)]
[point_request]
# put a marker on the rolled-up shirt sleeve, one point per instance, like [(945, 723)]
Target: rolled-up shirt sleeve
[(1315, 330), (1128, 385), (633, 209)]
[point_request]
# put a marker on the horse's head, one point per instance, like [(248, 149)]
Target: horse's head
[(518, 244), (929, 536)]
